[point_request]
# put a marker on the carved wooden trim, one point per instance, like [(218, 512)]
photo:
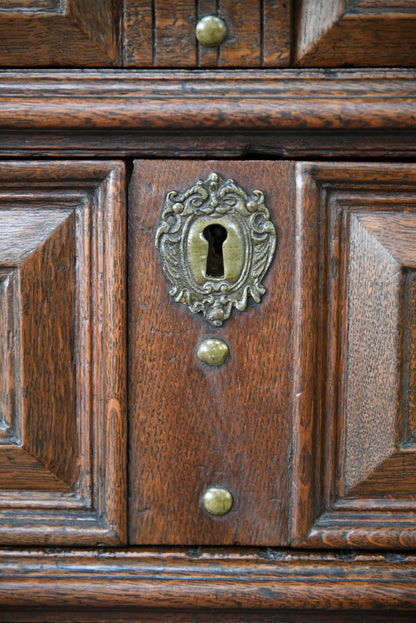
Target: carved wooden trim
[(294, 113), (212, 579), (353, 476), (219, 101), (62, 332)]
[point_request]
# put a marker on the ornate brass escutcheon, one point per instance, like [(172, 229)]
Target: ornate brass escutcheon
[(216, 243)]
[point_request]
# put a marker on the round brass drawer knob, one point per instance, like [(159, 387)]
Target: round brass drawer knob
[(213, 351), (211, 31), (217, 501)]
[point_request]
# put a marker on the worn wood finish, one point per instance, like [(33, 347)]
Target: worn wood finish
[(354, 480), (63, 432), (242, 45), (138, 33), (193, 426), (277, 33), (174, 33), (212, 582), (76, 33), (62, 258), (161, 34), (206, 102), (366, 33), (302, 144)]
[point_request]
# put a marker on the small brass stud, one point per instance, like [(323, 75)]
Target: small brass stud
[(217, 501), (213, 351), (211, 31)]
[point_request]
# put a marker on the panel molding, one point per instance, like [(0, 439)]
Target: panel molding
[(222, 581), (63, 225), (365, 205), (296, 113)]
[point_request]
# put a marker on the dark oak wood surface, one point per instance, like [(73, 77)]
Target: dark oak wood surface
[(205, 102), (213, 582), (295, 113), (360, 33), (193, 426), (75, 33), (347, 242), (161, 33), (62, 257), (354, 464)]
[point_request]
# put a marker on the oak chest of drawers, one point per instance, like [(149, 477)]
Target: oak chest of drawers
[(139, 482)]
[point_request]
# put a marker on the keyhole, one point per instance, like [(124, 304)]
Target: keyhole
[(215, 235)]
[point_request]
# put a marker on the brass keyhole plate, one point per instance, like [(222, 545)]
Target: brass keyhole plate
[(247, 247)]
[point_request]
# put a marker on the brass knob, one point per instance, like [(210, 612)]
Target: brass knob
[(213, 351), (217, 501), (211, 31)]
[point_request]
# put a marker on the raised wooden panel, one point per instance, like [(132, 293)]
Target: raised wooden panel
[(193, 426), (202, 585), (62, 403), (162, 33), (362, 33), (75, 33), (355, 460)]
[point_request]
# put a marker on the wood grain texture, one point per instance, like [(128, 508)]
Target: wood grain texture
[(277, 33), (32, 7), (371, 361), (162, 34), (203, 102), (219, 583), (138, 33), (242, 143), (337, 33), (61, 235), (242, 45), (19, 470), (77, 33), (192, 426), (174, 38), (351, 298), (47, 280)]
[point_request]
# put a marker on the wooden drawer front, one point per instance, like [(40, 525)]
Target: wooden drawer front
[(62, 370), (161, 33), (354, 415), (193, 426)]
